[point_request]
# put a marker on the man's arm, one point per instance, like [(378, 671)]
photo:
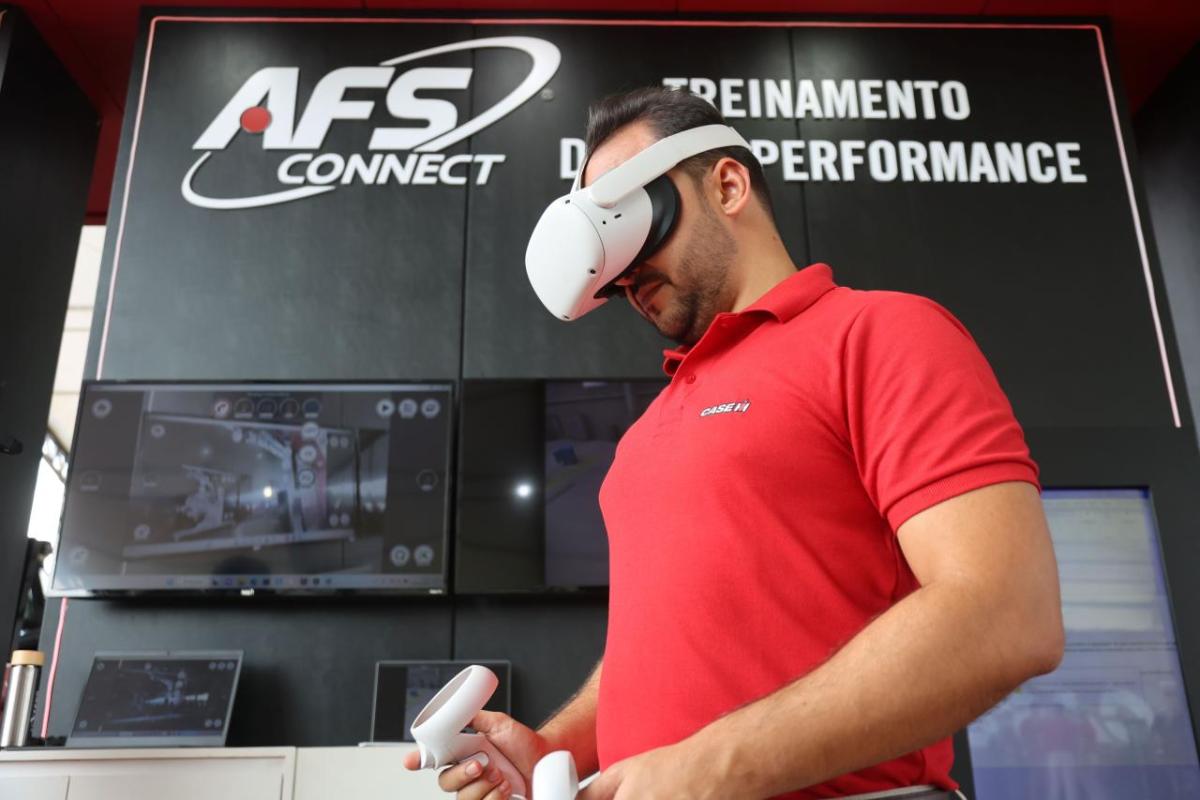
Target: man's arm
[(986, 618), (573, 727)]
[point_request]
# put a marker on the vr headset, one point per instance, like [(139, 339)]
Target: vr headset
[(588, 239)]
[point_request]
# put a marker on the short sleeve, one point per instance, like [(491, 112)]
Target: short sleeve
[(927, 418)]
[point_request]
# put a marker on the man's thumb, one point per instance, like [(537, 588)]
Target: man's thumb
[(602, 788), (491, 721)]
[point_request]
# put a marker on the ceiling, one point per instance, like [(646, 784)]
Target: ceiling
[(95, 38)]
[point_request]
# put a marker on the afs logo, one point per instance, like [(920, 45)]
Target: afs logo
[(266, 105)]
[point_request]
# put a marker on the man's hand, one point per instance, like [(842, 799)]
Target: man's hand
[(475, 781), (664, 773)]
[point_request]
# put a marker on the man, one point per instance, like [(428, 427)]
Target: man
[(828, 551)]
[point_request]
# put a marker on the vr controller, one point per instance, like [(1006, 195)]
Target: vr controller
[(438, 731), (554, 777)]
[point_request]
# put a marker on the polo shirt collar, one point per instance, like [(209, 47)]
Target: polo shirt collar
[(784, 301)]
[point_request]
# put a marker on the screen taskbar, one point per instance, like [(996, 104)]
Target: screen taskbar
[(431, 582)]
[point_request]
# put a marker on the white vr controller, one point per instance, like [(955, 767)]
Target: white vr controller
[(554, 777), (438, 732)]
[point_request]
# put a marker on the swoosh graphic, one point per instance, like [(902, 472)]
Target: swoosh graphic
[(546, 58), (226, 203)]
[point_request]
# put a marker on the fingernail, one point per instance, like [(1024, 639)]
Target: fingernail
[(504, 788), (476, 763)]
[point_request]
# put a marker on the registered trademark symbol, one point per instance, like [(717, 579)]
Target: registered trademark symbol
[(547, 94)]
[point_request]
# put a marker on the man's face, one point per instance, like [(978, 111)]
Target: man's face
[(686, 282)]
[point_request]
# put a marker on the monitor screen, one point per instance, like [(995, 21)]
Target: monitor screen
[(533, 455), (403, 688), (167, 699), (584, 422), (275, 487), (1112, 721)]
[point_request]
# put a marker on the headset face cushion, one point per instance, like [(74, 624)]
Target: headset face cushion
[(664, 213)]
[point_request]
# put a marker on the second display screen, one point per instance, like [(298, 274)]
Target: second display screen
[(532, 457)]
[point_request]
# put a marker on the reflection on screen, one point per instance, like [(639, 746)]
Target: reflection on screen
[(257, 486), (157, 697), (250, 479), (1112, 721), (584, 422), (404, 688), (424, 681)]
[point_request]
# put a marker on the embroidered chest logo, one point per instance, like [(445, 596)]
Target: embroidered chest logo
[(740, 407)]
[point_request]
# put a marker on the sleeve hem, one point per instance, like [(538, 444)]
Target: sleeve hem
[(958, 483)]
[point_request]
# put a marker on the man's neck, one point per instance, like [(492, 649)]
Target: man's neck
[(761, 269)]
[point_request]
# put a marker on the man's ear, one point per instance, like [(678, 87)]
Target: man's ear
[(733, 187)]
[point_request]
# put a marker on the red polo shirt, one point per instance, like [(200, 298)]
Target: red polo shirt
[(752, 510)]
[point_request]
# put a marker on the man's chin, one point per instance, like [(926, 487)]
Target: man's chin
[(673, 329), (670, 323)]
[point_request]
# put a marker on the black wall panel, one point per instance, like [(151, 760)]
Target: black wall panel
[(354, 283), (47, 141), (1170, 159), (309, 669), (553, 644)]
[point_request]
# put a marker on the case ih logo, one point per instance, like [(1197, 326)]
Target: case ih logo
[(740, 407), (266, 105)]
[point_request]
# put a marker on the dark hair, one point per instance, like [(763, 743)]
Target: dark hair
[(667, 112)]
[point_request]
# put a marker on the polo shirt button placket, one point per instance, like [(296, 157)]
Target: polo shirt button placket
[(689, 388)]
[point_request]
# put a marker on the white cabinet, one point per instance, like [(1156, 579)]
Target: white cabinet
[(33, 787), (183, 784), (361, 773), (253, 773), (148, 774)]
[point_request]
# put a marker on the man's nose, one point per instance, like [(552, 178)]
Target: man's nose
[(626, 285), (628, 278)]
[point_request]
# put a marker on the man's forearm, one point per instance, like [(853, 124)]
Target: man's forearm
[(917, 673), (573, 727)]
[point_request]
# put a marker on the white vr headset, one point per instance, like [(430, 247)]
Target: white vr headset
[(589, 238)]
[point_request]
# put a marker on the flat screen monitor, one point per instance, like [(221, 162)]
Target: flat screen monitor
[(403, 688), (157, 699), (532, 457), (248, 487), (1112, 722)]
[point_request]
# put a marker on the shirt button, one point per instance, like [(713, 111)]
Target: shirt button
[(690, 379)]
